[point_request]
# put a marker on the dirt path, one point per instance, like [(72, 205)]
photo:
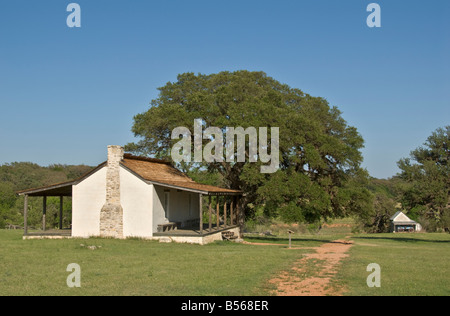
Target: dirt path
[(311, 275), (273, 244)]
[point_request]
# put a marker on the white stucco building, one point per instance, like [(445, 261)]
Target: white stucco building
[(130, 196), (402, 223)]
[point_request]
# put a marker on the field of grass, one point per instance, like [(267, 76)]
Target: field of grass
[(301, 237), (137, 267), (411, 264)]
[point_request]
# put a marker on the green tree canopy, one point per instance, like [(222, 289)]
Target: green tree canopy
[(426, 172), (319, 174)]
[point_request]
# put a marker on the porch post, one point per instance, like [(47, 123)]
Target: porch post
[(44, 206), (225, 212), (231, 210), (240, 217), (210, 211), (60, 212), (200, 202), (25, 215), (217, 212)]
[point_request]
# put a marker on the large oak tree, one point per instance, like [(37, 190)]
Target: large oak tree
[(319, 175)]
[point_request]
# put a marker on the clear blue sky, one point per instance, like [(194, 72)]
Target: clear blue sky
[(67, 93)]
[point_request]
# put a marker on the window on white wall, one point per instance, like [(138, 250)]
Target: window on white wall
[(166, 204)]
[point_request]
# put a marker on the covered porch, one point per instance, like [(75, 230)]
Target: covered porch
[(217, 210), (404, 227), (62, 190)]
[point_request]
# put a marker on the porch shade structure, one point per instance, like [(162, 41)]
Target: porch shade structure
[(162, 173), (226, 210), (60, 190)]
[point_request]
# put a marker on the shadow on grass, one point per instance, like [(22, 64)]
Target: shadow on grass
[(265, 239), (401, 239)]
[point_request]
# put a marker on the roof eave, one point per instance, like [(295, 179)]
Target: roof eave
[(35, 191), (212, 193), (172, 186)]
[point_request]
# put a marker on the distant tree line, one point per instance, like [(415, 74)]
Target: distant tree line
[(421, 190), (25, 175)]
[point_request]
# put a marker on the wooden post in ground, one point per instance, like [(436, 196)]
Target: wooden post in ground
[(290, 232), (217, 213), (231, 210), (61, 212), (225, 212), (240, 217), (200, 206), (44, 212), (25, 215), (210, 211)]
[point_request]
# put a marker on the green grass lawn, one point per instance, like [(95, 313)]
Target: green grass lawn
[(137, 267), (411, 264), (339, 229)]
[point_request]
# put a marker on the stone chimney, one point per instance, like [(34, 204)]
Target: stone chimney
[(111, 214)]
